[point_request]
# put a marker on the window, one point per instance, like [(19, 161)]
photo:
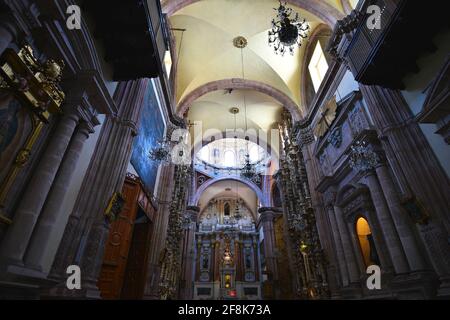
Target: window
[(168, 62), (226, 209), (229, 159), (204, 153), (353, 3), (318, 66), (366, 243)]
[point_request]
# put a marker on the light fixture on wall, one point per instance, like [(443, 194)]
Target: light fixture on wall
[(288, 31)]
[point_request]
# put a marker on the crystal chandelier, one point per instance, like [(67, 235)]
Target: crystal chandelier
[(287, 30), (248, 171)]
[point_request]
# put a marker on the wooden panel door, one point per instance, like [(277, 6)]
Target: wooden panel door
[(118, 245), (136, 272)]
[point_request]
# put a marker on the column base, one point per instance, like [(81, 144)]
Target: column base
[(444, 288), (415, 286), (61, 292), (351, 292), (19, 282)]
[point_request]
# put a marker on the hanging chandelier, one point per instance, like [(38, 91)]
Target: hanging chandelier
[(162, 152), (287, 31), (248, 171)]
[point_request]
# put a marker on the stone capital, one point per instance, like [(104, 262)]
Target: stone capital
[(192, 212), (303, 133)]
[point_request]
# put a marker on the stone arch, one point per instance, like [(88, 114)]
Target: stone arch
[(237, 83), (350, 192), (275, 196), (321, 9), (209, 183)]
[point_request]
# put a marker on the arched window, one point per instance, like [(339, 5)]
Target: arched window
[(318, 66), (353, 3), (229, 159), (226, 209), (366, 243), (276, 197)]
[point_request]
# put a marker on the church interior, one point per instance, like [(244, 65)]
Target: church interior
[(224, 150)]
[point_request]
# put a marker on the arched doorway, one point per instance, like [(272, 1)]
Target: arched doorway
[(366, 243)]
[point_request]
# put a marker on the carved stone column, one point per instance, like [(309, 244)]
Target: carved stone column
[(342, 266), (364, 159), (7, 31), (350, 259), (407, 144), (18, 235), (46, 223), (418, 169), (187, 278), (267, 216), (400, 217), (86, 232)]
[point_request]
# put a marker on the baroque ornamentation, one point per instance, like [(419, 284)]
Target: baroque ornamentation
[(335, 137), (363, 157), (171, 261), (115, 206), (306, 249), (35, 84), (240, 42)]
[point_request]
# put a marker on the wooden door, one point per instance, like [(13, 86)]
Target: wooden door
[(118, 244), (136, 271)]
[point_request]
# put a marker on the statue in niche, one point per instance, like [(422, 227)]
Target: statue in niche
[(205, 259), (248, 259), (9, 121)]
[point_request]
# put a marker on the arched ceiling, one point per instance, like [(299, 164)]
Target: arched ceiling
[(229, 189), (206, 60), (207, 53), (213, 111)]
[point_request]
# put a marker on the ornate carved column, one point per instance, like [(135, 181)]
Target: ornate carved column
[(86, 232), (422, 177), (171, 264), (187, 278), (266, 219), (306, 249), (364, 159), (19, 233), (408, 145), (304, 137), (165, 187)]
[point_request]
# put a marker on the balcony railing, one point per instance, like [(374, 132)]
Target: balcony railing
[(384, 54)]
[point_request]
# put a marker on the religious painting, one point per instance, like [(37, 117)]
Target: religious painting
[(151, 129), (15, 126)]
